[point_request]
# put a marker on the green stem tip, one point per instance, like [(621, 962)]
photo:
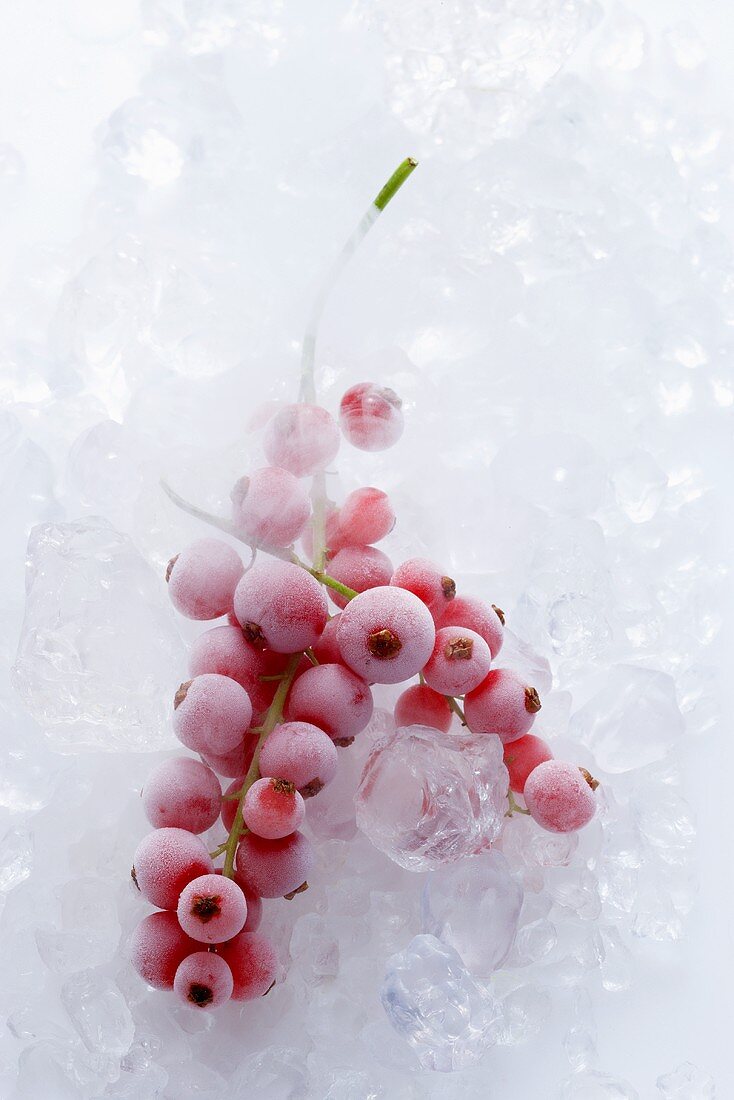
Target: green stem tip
[(396, 181)]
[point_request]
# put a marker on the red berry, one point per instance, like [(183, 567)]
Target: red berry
[(360, 568), (559, 797), (254, 910), (326, 649), (211, 714), (203, 577), (167, 860), (301, 438), (333, 698), (280, 606), (365, 517), (502, 704), (459, 662), (225, 650), (522, 756), (427, 582), (212, 909), (478, 616), (253, 963), (422, 706), (182, 793), (371, 416), (158, 946), (234, 763), (273, 808), (274, 868), (204, 980), (302, 753), (386, 635), (270, 507)]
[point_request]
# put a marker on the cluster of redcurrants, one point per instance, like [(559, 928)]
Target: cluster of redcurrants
[(277, 688)]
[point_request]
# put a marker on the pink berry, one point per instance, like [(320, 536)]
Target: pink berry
[(334, 540), (560, 797), (225, 650), (182, 793), (158, 946), (420, 705), (212, 909), (211, 714), (301, 753), (167, 860), (326, 649), (253, 963), (522, 756), (386, 635), (371, 416), (502, 704), (365, 517), (204, 980), (273, 808), (360, 568), (270, 507), (280, 606), (301, 438), (486, 620), (427, 582), (332, 698), (203, 577), (459, 662), (236, 762), (274, 868)]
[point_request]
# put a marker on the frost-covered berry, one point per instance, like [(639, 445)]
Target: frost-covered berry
[(273, 808), (274, 868), (333, 698), (203, 577), (182, 793), (204, 980), (235, 763), (459, 662), (253, 963), (270, 507), (158, 947), (427, 582), (503, 704), (211, 714), (522, 756), (360, 568), (560, 797), (254, 910), (302, 753), (386, 635), (212, 909), (326, 649), (420, 705), (167, 860), (365, 517), (225, 650), (486, 620), (371, 416), (301, 438), (280, 606)]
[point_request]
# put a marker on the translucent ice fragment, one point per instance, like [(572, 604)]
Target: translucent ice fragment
[(687, 1082), (597, 1086), (99, 1012)]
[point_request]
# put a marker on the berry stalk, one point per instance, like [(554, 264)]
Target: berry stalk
[(273, 717)]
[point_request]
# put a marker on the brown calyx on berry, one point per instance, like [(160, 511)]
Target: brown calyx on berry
[(593, 783), (459, 650), (384, 645), (206, 906), (253, 633), (134, 877), (200, 994), (169, 567), (301, 888), (311, 789), (499, 613), (343, 742), (181, 694), (448, 587), (283, 786), (532, 701)]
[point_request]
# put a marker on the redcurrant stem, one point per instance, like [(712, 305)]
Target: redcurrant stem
[(311, 656), (274, 715), (456, 709), (515, 808)]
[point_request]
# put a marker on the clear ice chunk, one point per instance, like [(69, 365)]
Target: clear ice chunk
[(427, 799), (100, 1014), (433, 1002), (597, 1086), (99, 648), (474, 907), (687, 1082)]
